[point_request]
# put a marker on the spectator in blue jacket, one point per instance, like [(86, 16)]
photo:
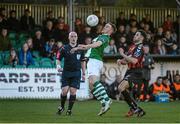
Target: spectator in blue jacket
[(25, 56)]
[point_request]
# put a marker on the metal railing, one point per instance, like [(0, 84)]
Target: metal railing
[(39, 11)]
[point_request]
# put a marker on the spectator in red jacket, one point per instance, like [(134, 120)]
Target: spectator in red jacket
[(168, 24)]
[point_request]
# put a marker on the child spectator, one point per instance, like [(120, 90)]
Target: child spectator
[(111, 48), (30, 44), (25, 56), (13, 58), (49, 48), (122, 44)]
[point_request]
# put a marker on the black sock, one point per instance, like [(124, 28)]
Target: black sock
[(71, 101), (129, 99), (63, 100)]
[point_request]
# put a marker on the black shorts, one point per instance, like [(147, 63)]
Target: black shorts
[(71, 79), (134, 76)]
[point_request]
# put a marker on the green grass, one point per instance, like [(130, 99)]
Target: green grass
[(30, 111)]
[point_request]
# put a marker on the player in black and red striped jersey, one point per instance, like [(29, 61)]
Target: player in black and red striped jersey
[(134, 74)]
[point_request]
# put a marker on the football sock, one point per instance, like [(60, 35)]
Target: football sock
[(100, 93), (63, 100), (71, 101), (129, 99)]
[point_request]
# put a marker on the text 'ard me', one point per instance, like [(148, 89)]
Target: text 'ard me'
[(25, 77)]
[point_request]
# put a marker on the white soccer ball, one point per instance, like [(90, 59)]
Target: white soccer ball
[(92, 20)]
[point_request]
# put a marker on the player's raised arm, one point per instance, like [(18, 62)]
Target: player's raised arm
[(86, 47)]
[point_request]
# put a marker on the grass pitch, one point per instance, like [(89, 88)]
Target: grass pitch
[(31, 111)]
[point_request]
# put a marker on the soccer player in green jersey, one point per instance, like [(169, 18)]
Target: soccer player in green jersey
[(95, 65)]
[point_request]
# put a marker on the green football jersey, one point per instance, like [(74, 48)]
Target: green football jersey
[(97, 53)]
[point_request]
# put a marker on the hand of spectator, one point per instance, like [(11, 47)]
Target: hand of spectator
[(121, 51)]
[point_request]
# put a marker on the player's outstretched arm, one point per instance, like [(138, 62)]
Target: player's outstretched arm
[(86, 47)]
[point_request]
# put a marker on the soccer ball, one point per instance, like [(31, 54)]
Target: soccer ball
[(92, 20)]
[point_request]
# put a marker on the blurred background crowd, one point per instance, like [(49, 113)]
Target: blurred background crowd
[(19, 36)]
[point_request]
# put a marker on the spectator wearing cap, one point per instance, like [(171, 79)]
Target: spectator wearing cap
[(27, 21), (13, 22)]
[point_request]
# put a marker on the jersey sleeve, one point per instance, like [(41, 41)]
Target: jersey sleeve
[(60, 54), (138, 52)]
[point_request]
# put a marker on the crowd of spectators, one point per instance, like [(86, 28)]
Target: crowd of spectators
[(162, 40)]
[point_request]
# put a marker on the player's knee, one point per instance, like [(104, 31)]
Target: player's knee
[(64, 91), (123, 86), (73, 91), (91, 82)]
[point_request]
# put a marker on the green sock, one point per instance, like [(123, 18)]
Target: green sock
[(100, 93)]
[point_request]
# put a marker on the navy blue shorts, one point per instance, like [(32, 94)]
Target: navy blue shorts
[(71, 79)]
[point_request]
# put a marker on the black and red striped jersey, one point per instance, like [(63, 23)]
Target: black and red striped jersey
[(136, 51)]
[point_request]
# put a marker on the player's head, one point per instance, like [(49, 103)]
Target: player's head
[(73, 38), (109, 28), (140, 36)]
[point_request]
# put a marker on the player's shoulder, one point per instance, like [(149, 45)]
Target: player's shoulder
[(103, 37)]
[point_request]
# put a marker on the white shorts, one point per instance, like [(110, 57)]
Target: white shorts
[(94, 67)]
